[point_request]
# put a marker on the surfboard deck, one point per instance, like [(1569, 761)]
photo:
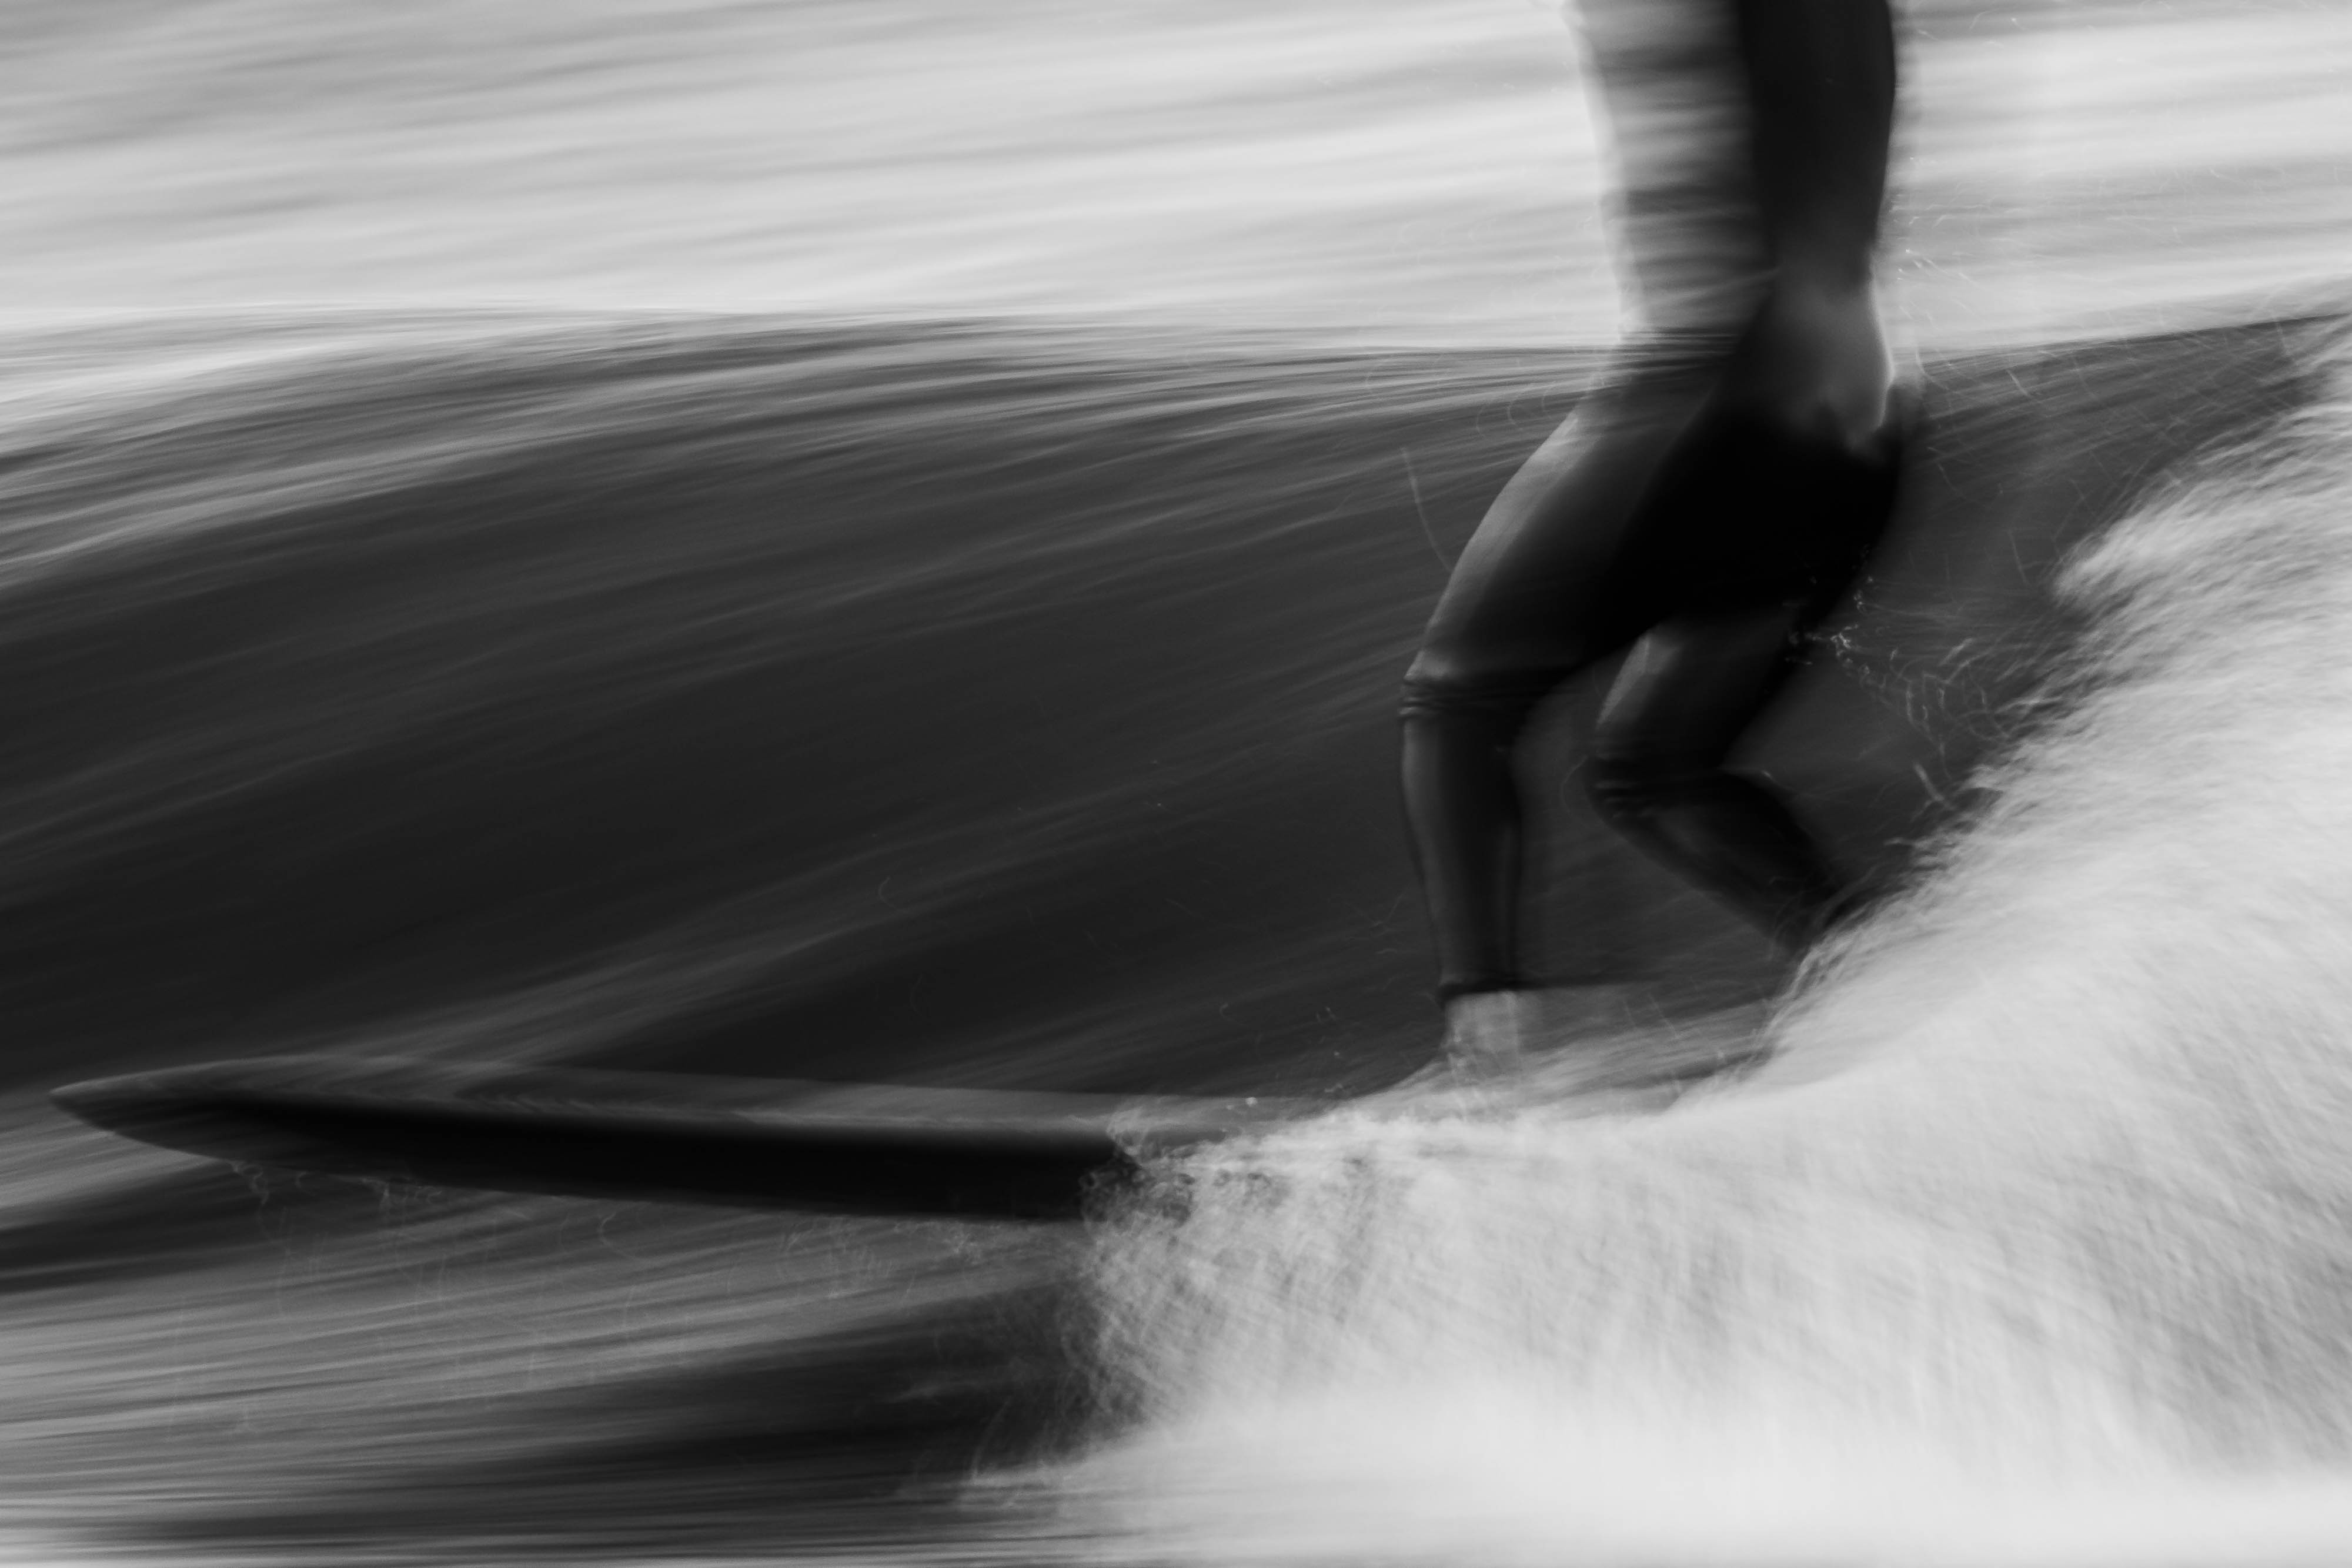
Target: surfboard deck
[(762, 1143)]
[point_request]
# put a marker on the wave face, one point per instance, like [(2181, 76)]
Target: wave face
[(743, 696), (2030, 1245), (968, 704), (881, 692)]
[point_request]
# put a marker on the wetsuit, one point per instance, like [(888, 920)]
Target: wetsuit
[(1687, 512)]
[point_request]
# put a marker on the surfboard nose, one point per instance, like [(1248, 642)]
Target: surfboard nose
[(123, 1105), (100, 1101), (173, 1108)]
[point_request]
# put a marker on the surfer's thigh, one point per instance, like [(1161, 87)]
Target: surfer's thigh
[(1542, 590)]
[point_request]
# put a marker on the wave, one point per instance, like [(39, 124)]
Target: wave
[(941, 701), (2028, 1244)]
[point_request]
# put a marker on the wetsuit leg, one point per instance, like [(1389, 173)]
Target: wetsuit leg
[(1760, 533), (1689, 691), (1532, 601), (1767, 508), (1719, 541)]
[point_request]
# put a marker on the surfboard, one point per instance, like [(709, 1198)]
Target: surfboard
[(974, 1153)]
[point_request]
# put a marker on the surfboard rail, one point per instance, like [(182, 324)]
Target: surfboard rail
[(752, 1143)]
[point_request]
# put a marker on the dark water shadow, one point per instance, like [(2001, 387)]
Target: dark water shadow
[(861, 1439), (201, 1218)]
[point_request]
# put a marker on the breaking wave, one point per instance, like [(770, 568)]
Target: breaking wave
[(2032, 1242)]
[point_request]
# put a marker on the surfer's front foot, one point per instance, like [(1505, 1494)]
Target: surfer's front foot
[(1487, 1033)]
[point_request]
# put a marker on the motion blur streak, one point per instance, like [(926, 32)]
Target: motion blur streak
[(1374, 169), (2034, 1244), (918, 701), (447, 607), (469, 687), (933, 703)]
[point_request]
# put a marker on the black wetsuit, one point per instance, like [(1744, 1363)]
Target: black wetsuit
[(1741, 536)]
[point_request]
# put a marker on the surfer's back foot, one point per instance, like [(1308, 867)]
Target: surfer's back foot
[(1492, 1032), (1489, 1033), (1568, 1042)]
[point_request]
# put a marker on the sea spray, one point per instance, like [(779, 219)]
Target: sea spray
[(2042, 1209)]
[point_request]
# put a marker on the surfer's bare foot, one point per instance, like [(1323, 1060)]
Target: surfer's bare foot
[(1487, 1037), (1487, 1033), (1490, 1033)]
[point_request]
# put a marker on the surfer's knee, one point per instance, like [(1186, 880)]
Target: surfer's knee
[(1445, 690), (1729, 833), (1634, 786), (1629, 789)]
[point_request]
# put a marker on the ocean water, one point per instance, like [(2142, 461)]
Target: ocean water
[(876, 542), (2027, 1244)]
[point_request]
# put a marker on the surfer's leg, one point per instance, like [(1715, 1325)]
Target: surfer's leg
[(1753, 140), (1759, 532), (1529, 604), (1658, 771), (1769, 505)]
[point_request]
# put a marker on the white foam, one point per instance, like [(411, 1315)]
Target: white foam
[(2035, 1245)]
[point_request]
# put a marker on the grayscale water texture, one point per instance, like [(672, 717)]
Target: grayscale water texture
[(876, 539)]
